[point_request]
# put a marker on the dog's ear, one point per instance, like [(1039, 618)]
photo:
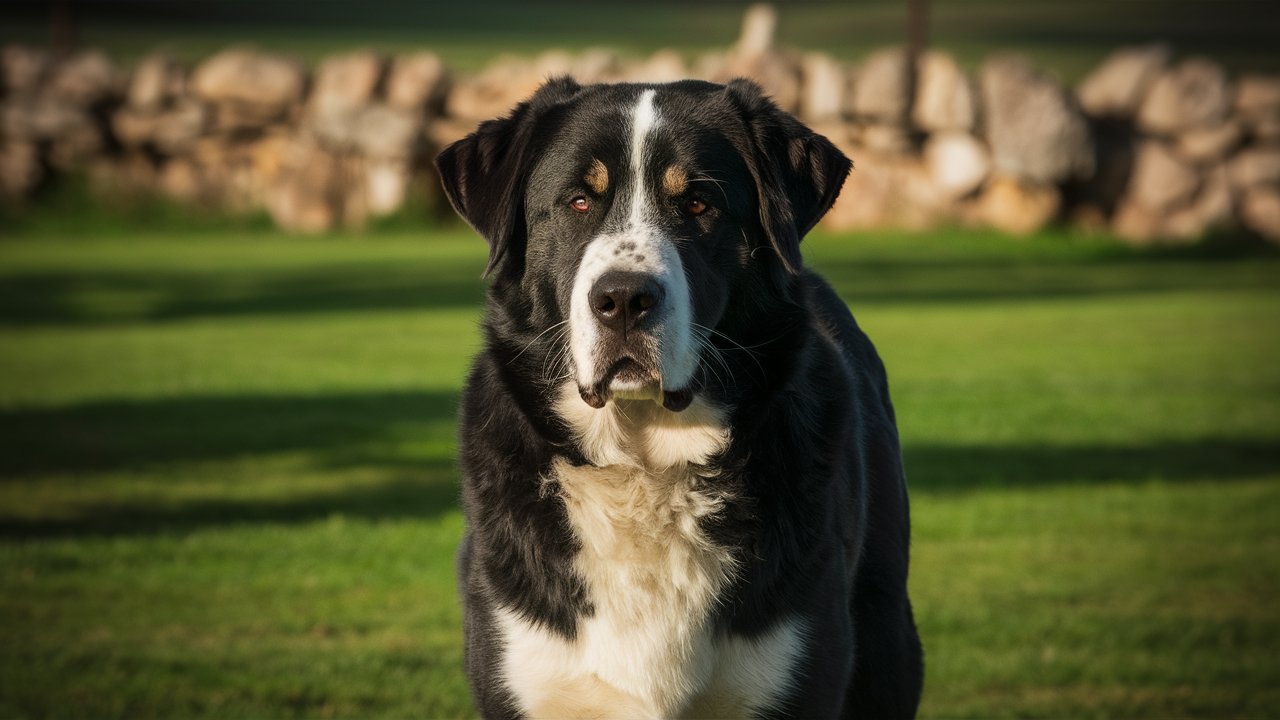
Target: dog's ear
[(485, 173), (798, 173)]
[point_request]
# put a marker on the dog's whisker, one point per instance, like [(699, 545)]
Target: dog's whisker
[(720, 184), (558, 353), (559, 363), (738, 345), (535, 339), (703, 364), (708, 350)]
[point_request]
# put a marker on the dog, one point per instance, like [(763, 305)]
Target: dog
[(682, 479)]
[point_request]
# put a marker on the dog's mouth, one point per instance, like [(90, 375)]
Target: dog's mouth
[(629, 379)]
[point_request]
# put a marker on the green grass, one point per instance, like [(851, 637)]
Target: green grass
[(227, 485)]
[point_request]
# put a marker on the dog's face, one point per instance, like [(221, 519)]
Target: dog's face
[(626, 221)]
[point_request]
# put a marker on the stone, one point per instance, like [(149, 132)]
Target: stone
[(85, 79), (386, 183), (177, 128), (303, 200), (1210, 143), (759, 26), (20, 169), (957, 162), (825, 82), (886, 139), (1033, 127), (1117, 86), (1255, 166), (378, 131), (506, 81), (1134, 223), (23, 69), (1257, 95), (236, 118), (180, 180), (382, 131), (156, 80), (1260, 212), (711, 65), (1193, 93), (597, 64), (133, 127), (1018, 206), (882, 87), (212, 157), (343, 83), (553, 63), (778, 73), (1160, 179), (418, 82), (129, 176), (1210, 210), (212, 151), (245, 77), (44, 119), (886, 191), (1265, 129), (446, 131), (269, 156), (1257, 104), (945, 98), (660, 67), (1088, 218)]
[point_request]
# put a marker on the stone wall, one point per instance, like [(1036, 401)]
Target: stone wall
[(1152, 147)]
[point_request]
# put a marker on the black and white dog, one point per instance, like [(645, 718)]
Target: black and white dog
[(683, 484)]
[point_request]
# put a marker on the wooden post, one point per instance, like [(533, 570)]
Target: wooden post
[(917, 27), (917, 37), (62, 27)]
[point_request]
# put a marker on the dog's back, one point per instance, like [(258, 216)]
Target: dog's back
[(888, 670)]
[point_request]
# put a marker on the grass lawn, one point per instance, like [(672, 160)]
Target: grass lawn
[(227, 486)]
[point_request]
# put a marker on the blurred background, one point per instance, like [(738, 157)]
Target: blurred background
[(235, 315)]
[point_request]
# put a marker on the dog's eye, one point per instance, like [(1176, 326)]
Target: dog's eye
[(580, 203), (695, 206)]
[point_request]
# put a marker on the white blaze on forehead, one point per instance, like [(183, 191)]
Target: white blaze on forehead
[(643, 121), (638, 246)]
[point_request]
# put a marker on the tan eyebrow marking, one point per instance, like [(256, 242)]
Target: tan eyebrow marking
[(675, 181), (597, 177)]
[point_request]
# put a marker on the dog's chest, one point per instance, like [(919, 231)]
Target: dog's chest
[(654, 577)]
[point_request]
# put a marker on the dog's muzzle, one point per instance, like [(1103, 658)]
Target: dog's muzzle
[(629, 308)]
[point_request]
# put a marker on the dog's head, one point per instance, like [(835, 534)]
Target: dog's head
[(629, 222)]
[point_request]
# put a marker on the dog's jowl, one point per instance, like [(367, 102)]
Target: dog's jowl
[(682, 479)]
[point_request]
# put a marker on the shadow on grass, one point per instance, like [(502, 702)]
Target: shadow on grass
[(85, 296), (338, 431), (942, 468), (103, 436), (98, 297), (873, 281), (425, 492), (369, 432)]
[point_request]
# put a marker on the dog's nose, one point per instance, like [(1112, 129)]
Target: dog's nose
[(622, 300)]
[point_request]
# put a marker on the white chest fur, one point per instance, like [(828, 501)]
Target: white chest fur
[(653, 579)]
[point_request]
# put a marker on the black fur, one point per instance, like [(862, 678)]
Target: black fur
[(819, 516)]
